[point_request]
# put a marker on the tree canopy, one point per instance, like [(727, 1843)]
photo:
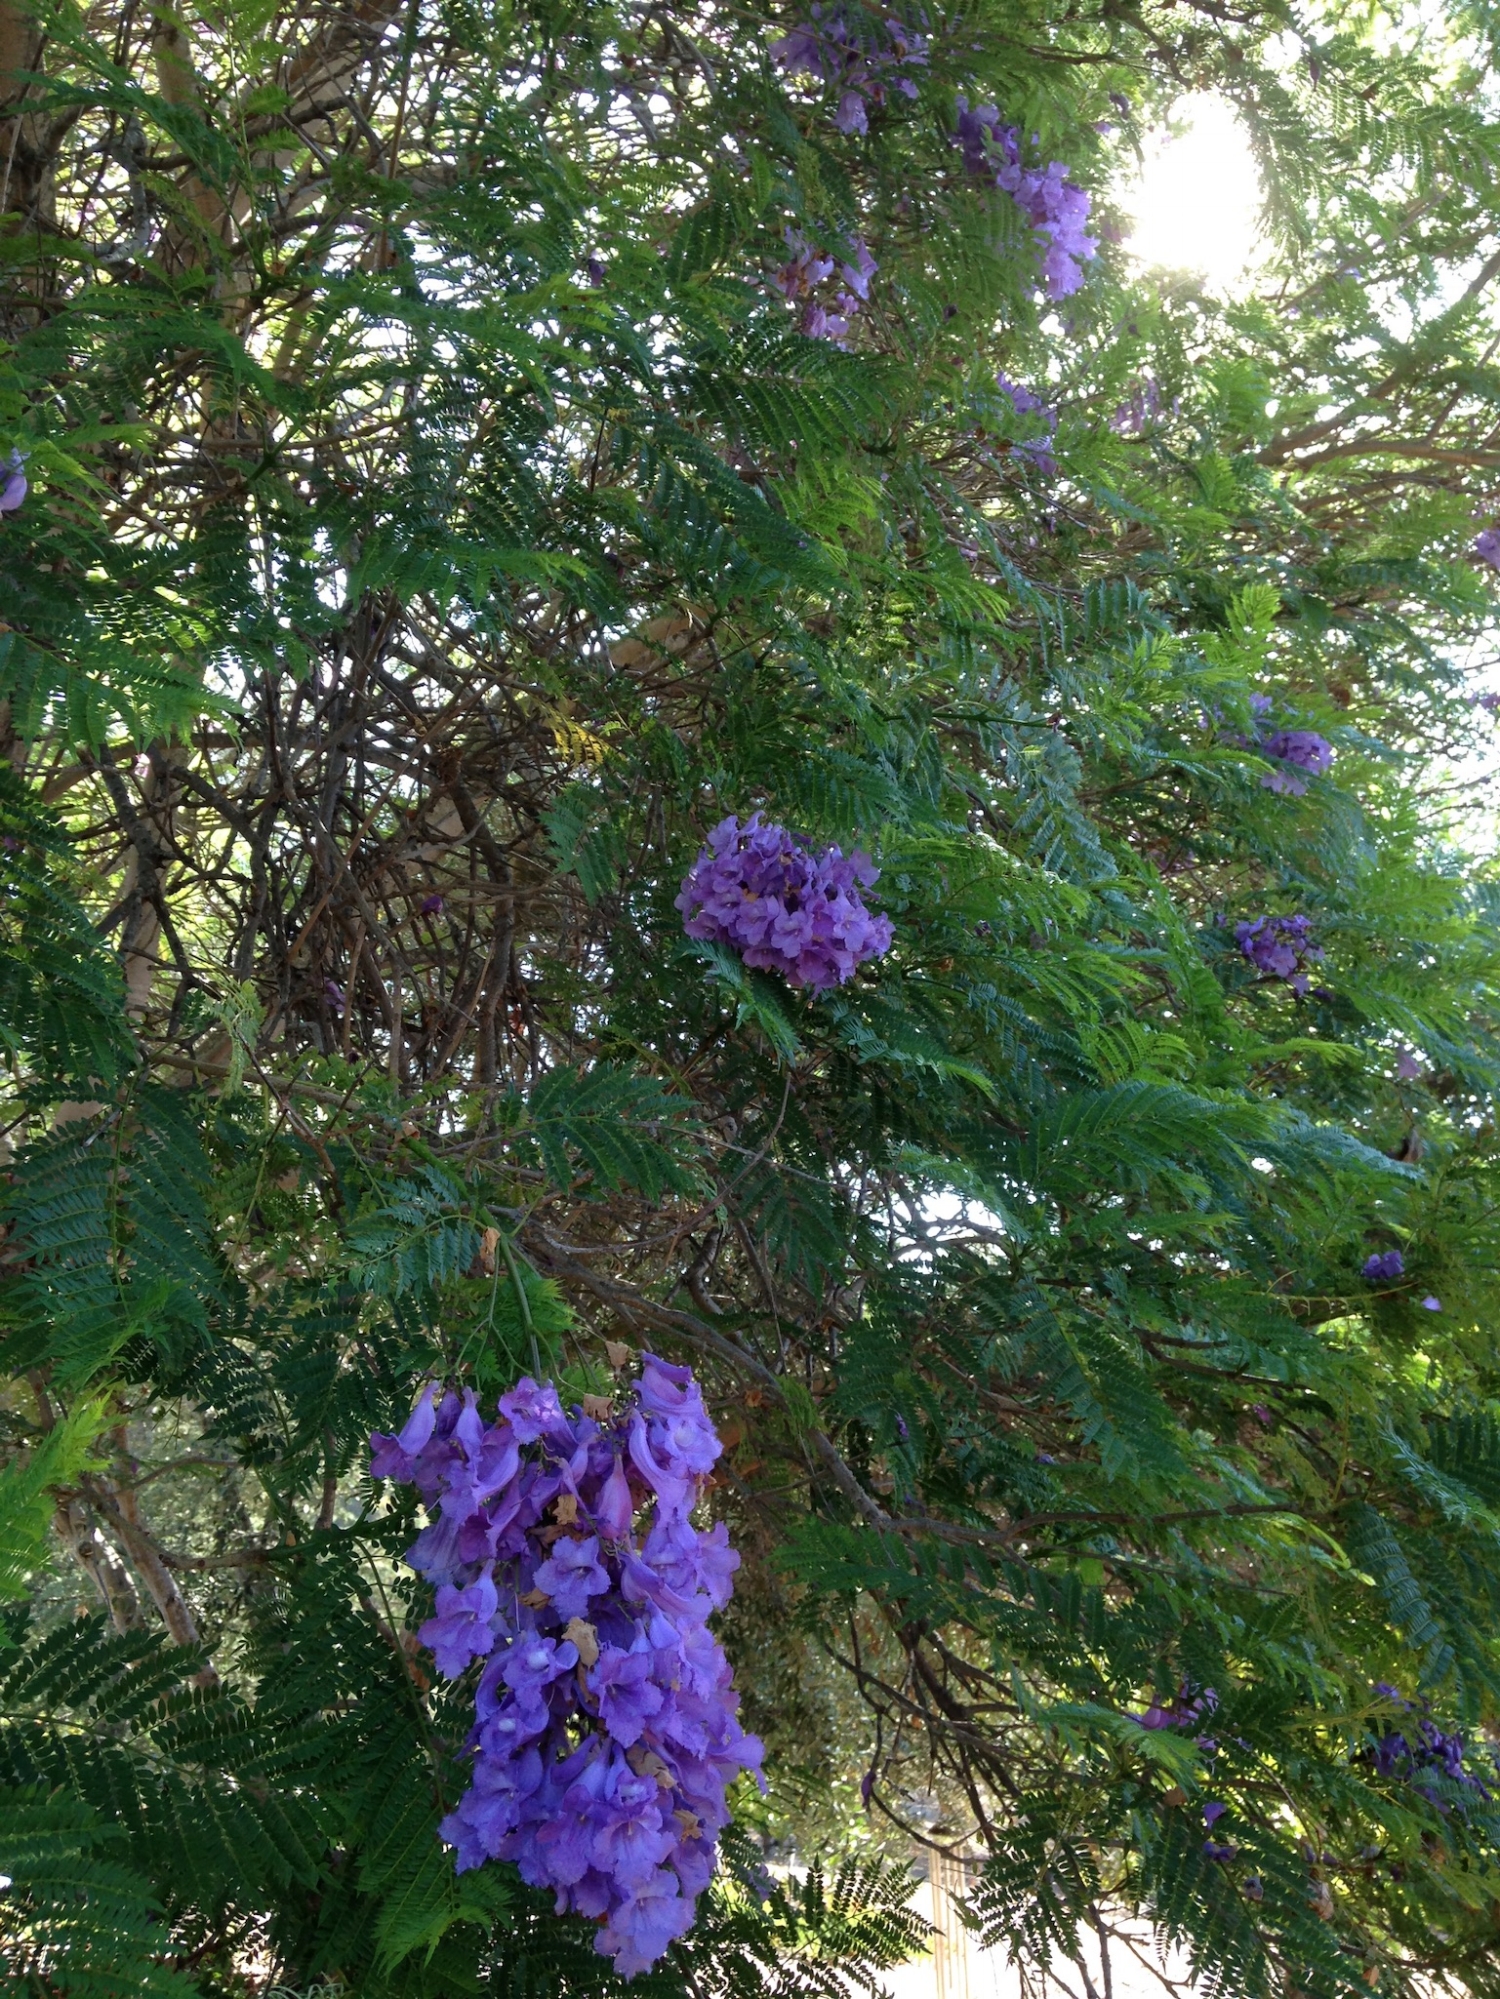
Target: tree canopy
[(461, 453)]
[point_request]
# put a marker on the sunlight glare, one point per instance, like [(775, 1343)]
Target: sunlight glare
[(1197, 199)]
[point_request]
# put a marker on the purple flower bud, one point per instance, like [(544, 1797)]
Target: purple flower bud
[(1213, 1811), (1487, 547), (334, 994), (1431, 1304), (432, 905)]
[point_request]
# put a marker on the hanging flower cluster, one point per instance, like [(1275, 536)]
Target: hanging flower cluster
[(1280, 946), (1384, 1266), (605, 1719), (861, 62), (1037, 449), (808, 268), (782, 906), (1424, 1752), (1056, 207)]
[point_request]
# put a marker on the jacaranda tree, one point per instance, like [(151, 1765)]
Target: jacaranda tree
[(667, 732)]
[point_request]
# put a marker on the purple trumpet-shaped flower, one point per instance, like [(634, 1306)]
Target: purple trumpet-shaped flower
[(461, 1630), (605, 1718), (784, 907), (627, 1691), (13, 482), (572, 1575), (1487, 547)]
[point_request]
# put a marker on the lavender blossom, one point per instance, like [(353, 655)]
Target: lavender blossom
[(1279, 947), (605, 1730), (784, 907)]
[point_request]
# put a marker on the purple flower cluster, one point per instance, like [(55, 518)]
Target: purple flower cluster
[(783, 907), (1037, 449), (1487, 547), (1385, 1266), (1184, 1711), (1295, 750), (808, 267), (1280, 946), (861, 62), (1421, 1753), (13, 490), (605, 1730), (1137, 415), (1056, 207)]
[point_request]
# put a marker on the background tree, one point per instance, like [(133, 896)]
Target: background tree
[(472, 450)]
